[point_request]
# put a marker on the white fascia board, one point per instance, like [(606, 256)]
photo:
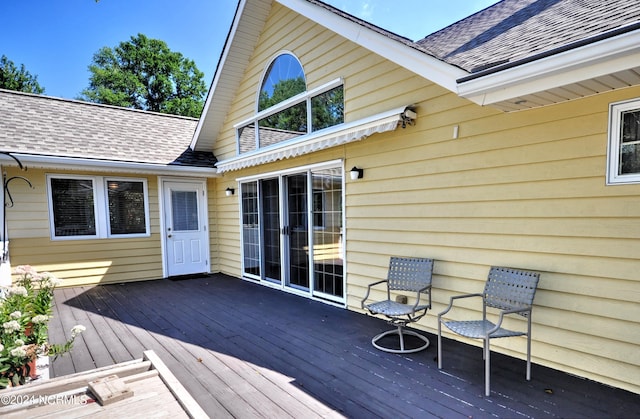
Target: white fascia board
[(69, 163), (598, 59), (412, 59), (219, 71)]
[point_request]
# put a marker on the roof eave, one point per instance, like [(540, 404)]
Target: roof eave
[(587, 62), (226, 81), (227, 77), (409, 57), (111, 166)]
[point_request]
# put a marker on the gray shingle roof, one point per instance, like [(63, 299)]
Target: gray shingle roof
[(48, 126), (514, 30)]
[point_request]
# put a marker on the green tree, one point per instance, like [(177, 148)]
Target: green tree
[(290, 119), (14, 78), (327, 109), (144, 73)]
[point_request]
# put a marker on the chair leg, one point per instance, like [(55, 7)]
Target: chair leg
[(401, 332), (487, 367), (401, 337), (439, 344), (529, 351)]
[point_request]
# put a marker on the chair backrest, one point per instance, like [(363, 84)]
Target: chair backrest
[(508, 288), (409, 274)]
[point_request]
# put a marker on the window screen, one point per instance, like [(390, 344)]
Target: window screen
[(126, 207), (73, 207)]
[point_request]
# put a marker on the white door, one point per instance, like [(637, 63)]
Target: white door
[(185, 225)]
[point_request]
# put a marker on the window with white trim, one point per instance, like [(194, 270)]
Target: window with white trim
[(91, 207), (286, 110), (624, 143)]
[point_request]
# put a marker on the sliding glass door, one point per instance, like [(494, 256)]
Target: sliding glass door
[(297, 232), (292, 227), (270, 231), (328, 237)]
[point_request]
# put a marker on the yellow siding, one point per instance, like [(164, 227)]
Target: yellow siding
[(228, 227), (525, 189), (212, 195), (78, 262)]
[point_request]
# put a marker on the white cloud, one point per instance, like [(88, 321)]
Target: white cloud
[(367, 9)]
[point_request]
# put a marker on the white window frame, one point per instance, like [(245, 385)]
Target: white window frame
[(325, 298), (100, 206), (289, 103), (613, 152)]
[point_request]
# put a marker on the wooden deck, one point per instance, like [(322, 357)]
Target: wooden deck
[(243, 350), (127, 389)]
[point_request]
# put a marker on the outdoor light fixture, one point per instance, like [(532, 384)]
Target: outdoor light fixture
[(230, 191), (408, 116), (356, 173)]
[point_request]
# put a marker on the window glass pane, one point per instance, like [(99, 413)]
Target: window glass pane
[(126, 207), (327, 234), (184, 206), (283, 80), (73, 209), (285, 125), (247, 138), (629, 159), (630, 143), (298, 234), (327, 109), (270, 198), (250, 229)]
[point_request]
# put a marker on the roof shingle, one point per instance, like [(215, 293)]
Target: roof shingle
[(49, 126), (514, 30)]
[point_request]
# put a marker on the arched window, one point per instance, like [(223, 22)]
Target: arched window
[(286, 110), (283, 80)]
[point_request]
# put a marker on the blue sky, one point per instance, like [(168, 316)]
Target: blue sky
[(56, 39)]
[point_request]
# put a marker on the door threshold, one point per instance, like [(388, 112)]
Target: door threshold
[(189, 276)]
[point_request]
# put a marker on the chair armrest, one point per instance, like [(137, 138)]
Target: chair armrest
[(506, 312), (366, 296), (516, 310), (457, 297), (425, 290)]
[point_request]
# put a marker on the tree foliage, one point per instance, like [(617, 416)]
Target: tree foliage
[(144, 73), (282, 91), (290, 119), (327, 109), (19, 79)]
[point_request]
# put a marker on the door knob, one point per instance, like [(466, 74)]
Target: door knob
[(169, 235)]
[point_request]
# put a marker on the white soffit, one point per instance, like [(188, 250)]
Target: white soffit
[(241, 41), (330, 137), (590, 62)]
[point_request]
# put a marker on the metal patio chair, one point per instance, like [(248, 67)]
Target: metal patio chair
[(509, 290), (412, 275)]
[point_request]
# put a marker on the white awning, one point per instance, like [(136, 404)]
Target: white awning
[(330, 137)]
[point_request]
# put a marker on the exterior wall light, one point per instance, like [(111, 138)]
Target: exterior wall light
[(356, 173), (229, 191)]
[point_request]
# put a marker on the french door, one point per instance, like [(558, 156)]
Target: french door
[(292, 231)]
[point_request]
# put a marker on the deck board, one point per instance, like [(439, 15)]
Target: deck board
[(152, 391), (112, 333), (243, 350)]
